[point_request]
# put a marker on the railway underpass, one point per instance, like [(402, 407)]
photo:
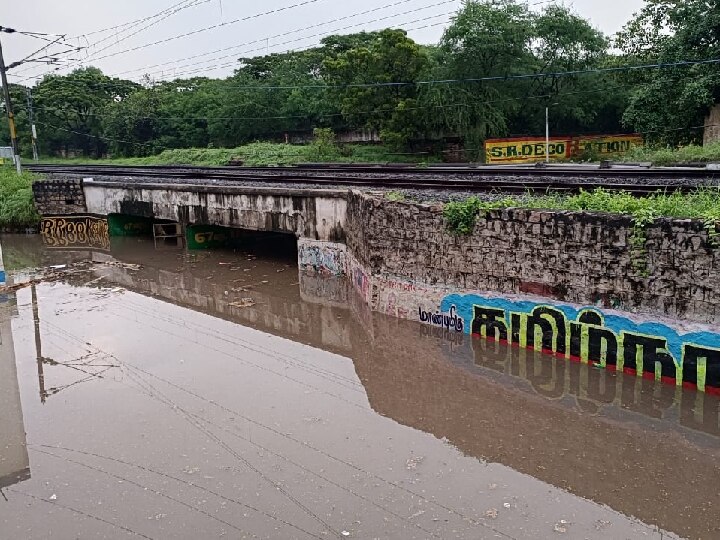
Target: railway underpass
[(336, 367)]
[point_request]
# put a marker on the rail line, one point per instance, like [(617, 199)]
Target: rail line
[(568, 179)]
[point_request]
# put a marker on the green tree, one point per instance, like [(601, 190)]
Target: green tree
[(70, 110), (486, 39), (669, 104), (360, 72), (132, 126), (564, 42)]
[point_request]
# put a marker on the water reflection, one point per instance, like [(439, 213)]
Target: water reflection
[(632, 444), (14, 462)]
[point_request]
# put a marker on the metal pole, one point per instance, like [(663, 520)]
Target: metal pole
[(38, 344), (10, 115), (33, 131), (547, 134)]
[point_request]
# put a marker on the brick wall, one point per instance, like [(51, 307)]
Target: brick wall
[(581, 258), (59, 197)]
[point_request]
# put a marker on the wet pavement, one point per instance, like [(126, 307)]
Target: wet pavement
[(161, 394)]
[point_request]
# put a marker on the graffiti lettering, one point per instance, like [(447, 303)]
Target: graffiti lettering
[(595, 390), (75, 231), (649, 350), (448, 320), (323, 259)]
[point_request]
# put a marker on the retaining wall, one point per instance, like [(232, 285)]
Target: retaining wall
[(570, 283), (59, 197)]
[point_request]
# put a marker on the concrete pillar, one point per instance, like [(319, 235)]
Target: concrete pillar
[(712, 126)]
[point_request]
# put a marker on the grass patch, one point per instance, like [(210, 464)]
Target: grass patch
[(17, 209), (261, 154), (669, 156)]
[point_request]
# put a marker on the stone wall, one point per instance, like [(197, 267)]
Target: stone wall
[(59, 197), (576, 257), (712, 126), (571, 284)]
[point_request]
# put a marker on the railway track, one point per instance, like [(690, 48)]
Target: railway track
[(522, 179)]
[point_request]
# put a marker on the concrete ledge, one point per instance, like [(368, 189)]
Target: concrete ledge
[(220, 189)]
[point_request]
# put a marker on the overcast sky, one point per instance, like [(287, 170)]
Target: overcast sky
[(301, 24)]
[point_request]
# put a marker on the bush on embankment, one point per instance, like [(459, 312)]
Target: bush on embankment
[(670, 156), (264, 153), (17, 209)]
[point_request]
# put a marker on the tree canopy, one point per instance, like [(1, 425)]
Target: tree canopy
[(670, 104), (496, 68)]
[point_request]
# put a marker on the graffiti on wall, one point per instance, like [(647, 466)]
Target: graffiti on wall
[(448, 319), (650, 350), (528, 149), (75, 231), (325, 258)]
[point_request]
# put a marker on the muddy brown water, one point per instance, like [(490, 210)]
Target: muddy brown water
[(161, 394)]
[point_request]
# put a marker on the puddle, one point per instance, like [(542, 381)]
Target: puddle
[(163, 394)]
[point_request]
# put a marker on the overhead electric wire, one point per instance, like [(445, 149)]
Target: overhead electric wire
[(29, 57), (492, 78), (198, 31), (231, 64), (259, 40), (250, 17), (318, 35), (212, 27), (164, 14), (158, 20), (131, 23)]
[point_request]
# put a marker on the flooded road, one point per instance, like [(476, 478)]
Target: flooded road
[(163, 394)]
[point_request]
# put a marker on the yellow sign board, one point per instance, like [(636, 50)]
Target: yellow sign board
[(521, 150), (531, 149)]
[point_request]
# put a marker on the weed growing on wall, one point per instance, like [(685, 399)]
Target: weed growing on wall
[(460, 216), (395, 196), (16, 199), (703, 204)]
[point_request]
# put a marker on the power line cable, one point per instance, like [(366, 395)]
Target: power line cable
[(159, 18), (493, 78), (212, 27), (387, 6), (306, 2), (234, 64), (110, 139), (318, 35), (321, 34), (164, 14), (131, 23)]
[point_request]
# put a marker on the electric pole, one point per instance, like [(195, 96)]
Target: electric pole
[(33, 130), (10, 115)]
